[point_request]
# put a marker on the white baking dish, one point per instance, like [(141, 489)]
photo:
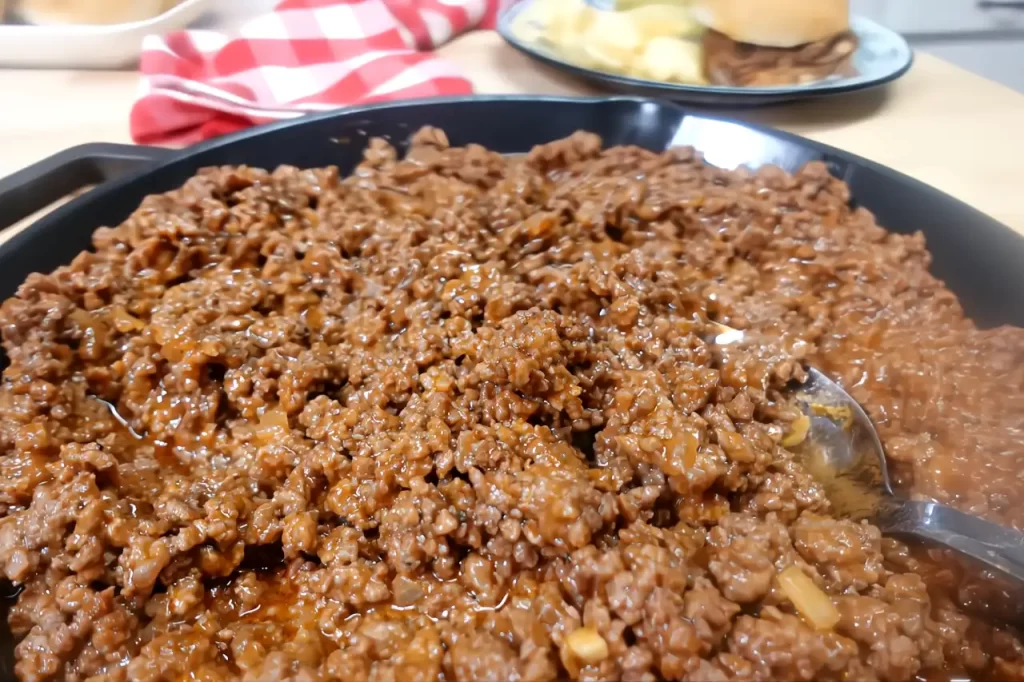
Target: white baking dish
[(89, 46)]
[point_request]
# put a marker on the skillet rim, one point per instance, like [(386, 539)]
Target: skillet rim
[(100, 192), (993, 246)]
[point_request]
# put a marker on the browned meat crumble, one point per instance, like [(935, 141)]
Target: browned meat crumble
[(454, 417), (728, 62)]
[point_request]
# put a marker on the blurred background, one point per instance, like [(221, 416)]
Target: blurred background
[(984, 36)]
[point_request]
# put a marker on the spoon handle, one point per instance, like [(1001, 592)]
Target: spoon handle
[(995, 546)]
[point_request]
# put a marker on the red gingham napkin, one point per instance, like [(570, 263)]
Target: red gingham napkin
[(305, 56)]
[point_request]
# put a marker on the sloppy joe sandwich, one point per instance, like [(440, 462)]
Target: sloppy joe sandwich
[(775, 42)]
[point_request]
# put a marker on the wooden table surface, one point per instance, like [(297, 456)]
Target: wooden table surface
[(941, 124)]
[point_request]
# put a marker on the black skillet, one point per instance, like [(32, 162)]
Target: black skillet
[(978, 258)]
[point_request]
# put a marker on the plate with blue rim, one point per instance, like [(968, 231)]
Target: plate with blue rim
[(881, 57)]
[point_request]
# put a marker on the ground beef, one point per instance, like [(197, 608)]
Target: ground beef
[(457, 417), (728, 62)]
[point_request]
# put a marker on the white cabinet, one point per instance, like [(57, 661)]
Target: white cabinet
[(1001, 60), (983, 36), (944, 16)]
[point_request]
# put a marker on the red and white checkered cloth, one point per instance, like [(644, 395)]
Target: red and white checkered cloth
[(305, 56)]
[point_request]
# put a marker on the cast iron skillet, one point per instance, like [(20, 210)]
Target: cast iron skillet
[(979, 259)]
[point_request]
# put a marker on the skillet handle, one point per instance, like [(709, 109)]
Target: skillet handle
[(39, 185), (992, 545)]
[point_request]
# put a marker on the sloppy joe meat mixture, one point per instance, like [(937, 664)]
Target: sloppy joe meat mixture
[(457, 417), (728, 62)]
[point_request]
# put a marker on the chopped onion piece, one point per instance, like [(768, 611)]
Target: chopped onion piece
[(83, 318), (273, 425), (125, 321), (810, 600), (587, 645), (797, 431)]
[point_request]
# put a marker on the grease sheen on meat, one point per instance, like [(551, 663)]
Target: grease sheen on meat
[(453, 415)]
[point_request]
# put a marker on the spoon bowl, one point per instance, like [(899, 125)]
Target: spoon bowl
[(841, 427), (843, 452)]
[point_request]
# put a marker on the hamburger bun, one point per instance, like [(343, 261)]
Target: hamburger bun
[(774, 23), (89, 11)]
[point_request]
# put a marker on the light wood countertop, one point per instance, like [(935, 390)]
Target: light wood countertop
[(941, 124)]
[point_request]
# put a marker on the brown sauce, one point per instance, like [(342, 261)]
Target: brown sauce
[(727, 62)]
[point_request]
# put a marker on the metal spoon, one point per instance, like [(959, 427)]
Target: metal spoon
[(844, 453)]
